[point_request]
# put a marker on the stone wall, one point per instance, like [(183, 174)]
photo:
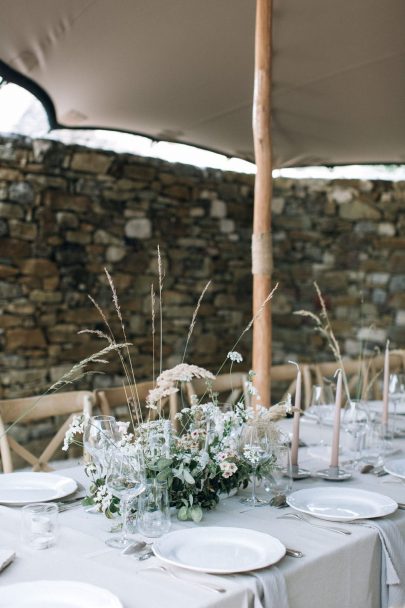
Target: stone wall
[(67, 212)]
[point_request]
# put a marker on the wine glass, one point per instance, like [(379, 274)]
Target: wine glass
[(322, 407), (100, 435), (125, 479), (278, 481), (356, 424), (255, 449), (396, 390)]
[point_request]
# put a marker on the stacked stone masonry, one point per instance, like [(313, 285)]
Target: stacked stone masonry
[(66, 212)]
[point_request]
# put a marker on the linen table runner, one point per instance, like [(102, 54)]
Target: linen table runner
[(393, 559)]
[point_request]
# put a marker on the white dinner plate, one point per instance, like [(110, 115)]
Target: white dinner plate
[(57, 594), (396, 467), (219, 550), (341, 504), (25, 488)]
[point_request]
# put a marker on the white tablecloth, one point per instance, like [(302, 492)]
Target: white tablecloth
[(337, 571)]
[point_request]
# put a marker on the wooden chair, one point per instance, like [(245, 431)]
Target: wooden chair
[(33, 409), (231, 387), (357, 373), (235, 385), (114, 401), (287, 373), (364, 376), (397, 364)]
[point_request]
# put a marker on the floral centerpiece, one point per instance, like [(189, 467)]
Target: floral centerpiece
[(200, 461)]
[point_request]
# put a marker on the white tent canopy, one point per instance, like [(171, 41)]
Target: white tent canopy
[(182, 70)]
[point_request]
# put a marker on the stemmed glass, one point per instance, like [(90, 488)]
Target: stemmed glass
[(100, 436), (278, 481), (125, 480), (356, 423), (396, 390), (322, 406), (255, 449)]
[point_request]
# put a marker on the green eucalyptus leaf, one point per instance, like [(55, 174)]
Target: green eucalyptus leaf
[(188, 477), (87, 501), (182, 513), (163, 463), (196, 513), (163, 475)]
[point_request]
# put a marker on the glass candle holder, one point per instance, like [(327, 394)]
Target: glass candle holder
[(154, 509), (39, 525)]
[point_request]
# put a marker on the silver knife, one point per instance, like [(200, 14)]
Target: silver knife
[(294, 553)]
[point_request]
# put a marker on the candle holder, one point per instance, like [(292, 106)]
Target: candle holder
[(387, 433), (334, 474), (298, 473)]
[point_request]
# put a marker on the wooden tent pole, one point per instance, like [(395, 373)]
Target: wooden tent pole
[(261, 239)]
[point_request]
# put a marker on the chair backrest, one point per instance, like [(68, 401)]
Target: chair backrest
[(357, 374), (287, 373), (114, 401), (231, 388), (364, 376), (33, 409), (376, 371)]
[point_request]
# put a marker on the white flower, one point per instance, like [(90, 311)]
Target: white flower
[(253, 454), (228, 468), (234, 356), (126, 439), (184, 373), (251, 389), (122, 427), (90, 469), (76, 428), (288, 404), (163, 389), (221, 456), (203, 459), (103, 498), (165, 383)]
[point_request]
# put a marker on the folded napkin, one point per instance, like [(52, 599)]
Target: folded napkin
[(6, 557), (393, 558), (270, 590)]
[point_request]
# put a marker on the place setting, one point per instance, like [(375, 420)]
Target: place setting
[(23, 488), (57, 594)]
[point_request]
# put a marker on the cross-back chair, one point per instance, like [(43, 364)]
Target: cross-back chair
[(231, 388), (33, 409), (287, 373), (364, 376), (114, 401)]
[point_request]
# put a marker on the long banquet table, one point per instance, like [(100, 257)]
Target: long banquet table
[(336, 571)]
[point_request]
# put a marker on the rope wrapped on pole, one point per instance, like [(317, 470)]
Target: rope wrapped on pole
[(262, 254)]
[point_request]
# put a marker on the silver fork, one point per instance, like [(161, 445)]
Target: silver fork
[(70, 505), (312, 523), (205, 585)]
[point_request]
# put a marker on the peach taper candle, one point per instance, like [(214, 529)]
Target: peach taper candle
[(386, 382), (296, 421), (334, 462)]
